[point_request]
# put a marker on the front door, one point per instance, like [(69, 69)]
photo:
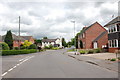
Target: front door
[(95, 45)]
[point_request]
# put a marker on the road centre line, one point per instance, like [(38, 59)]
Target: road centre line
[(23, 60)]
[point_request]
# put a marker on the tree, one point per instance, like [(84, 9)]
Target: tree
[(64, 42), (45, 38), (32, 46), (4, 46), (8, 39), (38, 41), (26, 44)]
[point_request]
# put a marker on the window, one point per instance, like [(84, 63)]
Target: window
[(83, 44), (113, 28), (113, 43), (118, 27), (109, 43), (83, 35)]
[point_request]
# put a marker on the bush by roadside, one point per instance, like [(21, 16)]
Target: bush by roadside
[(4, 46), (89, 51), (97, 50), (70, 50), (17, 52), (82, 51), (32, 46), (55, 48)]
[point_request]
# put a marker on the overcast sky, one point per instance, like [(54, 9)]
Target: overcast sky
[(53, 19)]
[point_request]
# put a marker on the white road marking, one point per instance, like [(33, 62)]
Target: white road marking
[(10, 69), (23, 60), (4, 74)]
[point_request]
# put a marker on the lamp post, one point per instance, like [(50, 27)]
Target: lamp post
[(19, 34), (74, 36)]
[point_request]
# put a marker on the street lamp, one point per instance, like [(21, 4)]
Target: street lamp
[(74, 36), (19, 34)]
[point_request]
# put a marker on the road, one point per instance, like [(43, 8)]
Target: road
[(52, 64)]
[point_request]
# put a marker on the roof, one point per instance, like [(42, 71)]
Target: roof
[(99, 36), (15, 37), (86, 28), (115, 20), (26, 37), (49, 40)]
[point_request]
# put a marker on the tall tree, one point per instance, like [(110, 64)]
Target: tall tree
[(38, 41), (9, 39), (45, 38), (64, 42)]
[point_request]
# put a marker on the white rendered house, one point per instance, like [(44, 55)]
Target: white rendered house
[(54, 42)]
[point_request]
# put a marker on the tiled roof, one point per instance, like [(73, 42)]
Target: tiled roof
[(26, 37), (14, 37), (116, 20), (99, 36), (85, 29), (49, 40)]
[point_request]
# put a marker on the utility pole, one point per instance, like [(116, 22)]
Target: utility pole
[(19, 34)]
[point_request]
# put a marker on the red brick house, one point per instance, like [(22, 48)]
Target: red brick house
[(94, 36), (29, 38), (114, 34), (22, 39)]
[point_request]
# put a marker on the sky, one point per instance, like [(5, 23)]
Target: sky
[(53, 19)]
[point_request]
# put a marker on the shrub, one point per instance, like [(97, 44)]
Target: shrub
[(118, 58), (16, 48), (71, 50), (82, 51), (113, 59), (90, 51), (46, 47), (32, 46), (50, 46), (55, 48), (4, 46), (17, 52), (97, 50), (22, 47)]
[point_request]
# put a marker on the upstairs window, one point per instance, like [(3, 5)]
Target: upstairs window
[(118, 27), (113, 28)]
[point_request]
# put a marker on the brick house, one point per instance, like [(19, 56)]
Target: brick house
[(29, 38), (22, 39), (114, 34), (94, 36)]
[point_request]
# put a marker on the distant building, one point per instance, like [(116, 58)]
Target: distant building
[(94, 36), (29, 38), (54, 42), (114, 34), (22, 39)]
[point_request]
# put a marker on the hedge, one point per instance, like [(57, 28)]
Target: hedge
[(17, 52)]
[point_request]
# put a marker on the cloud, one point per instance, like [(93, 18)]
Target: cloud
[(53, 19)]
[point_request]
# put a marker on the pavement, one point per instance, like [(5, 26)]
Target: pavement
[(98, 59), (52, 64)]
